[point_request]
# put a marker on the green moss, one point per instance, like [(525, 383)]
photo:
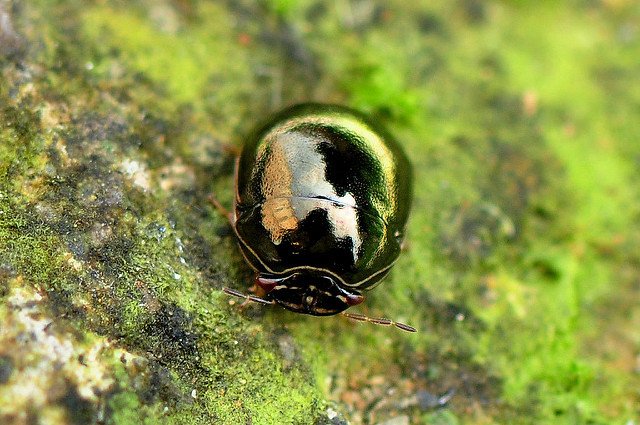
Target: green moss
[(556, 198), (180, 68), (257, 393), (130, 282), (547, 356), (288, 9), (126, 408), (442, 417)]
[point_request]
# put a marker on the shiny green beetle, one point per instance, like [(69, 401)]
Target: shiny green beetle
[(322, 200)]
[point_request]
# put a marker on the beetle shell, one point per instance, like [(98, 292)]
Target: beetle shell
[(322, 199)]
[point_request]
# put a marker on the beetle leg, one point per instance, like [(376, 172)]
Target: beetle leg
[(379, 321), (221, 209), (231, 149)]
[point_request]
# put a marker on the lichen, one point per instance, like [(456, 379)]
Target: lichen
[(37, 352)]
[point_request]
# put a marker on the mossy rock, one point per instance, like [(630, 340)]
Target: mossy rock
[(118, 119)]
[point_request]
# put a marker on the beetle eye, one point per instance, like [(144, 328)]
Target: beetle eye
[(353, 299), (266, 283)]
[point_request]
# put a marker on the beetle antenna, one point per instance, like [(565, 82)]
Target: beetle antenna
[(246, 297), (379, 321), (354, 316)]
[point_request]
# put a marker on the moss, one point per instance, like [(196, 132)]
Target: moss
[(72, 224), (126, 409), (504, 192)]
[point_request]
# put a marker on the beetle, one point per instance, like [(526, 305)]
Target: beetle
[(321, 203)]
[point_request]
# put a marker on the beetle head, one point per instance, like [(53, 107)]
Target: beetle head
[(308, 292)]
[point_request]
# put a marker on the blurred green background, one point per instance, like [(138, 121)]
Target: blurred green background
[(522, 270)]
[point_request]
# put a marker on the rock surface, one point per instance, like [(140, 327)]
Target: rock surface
[(521, 270)]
